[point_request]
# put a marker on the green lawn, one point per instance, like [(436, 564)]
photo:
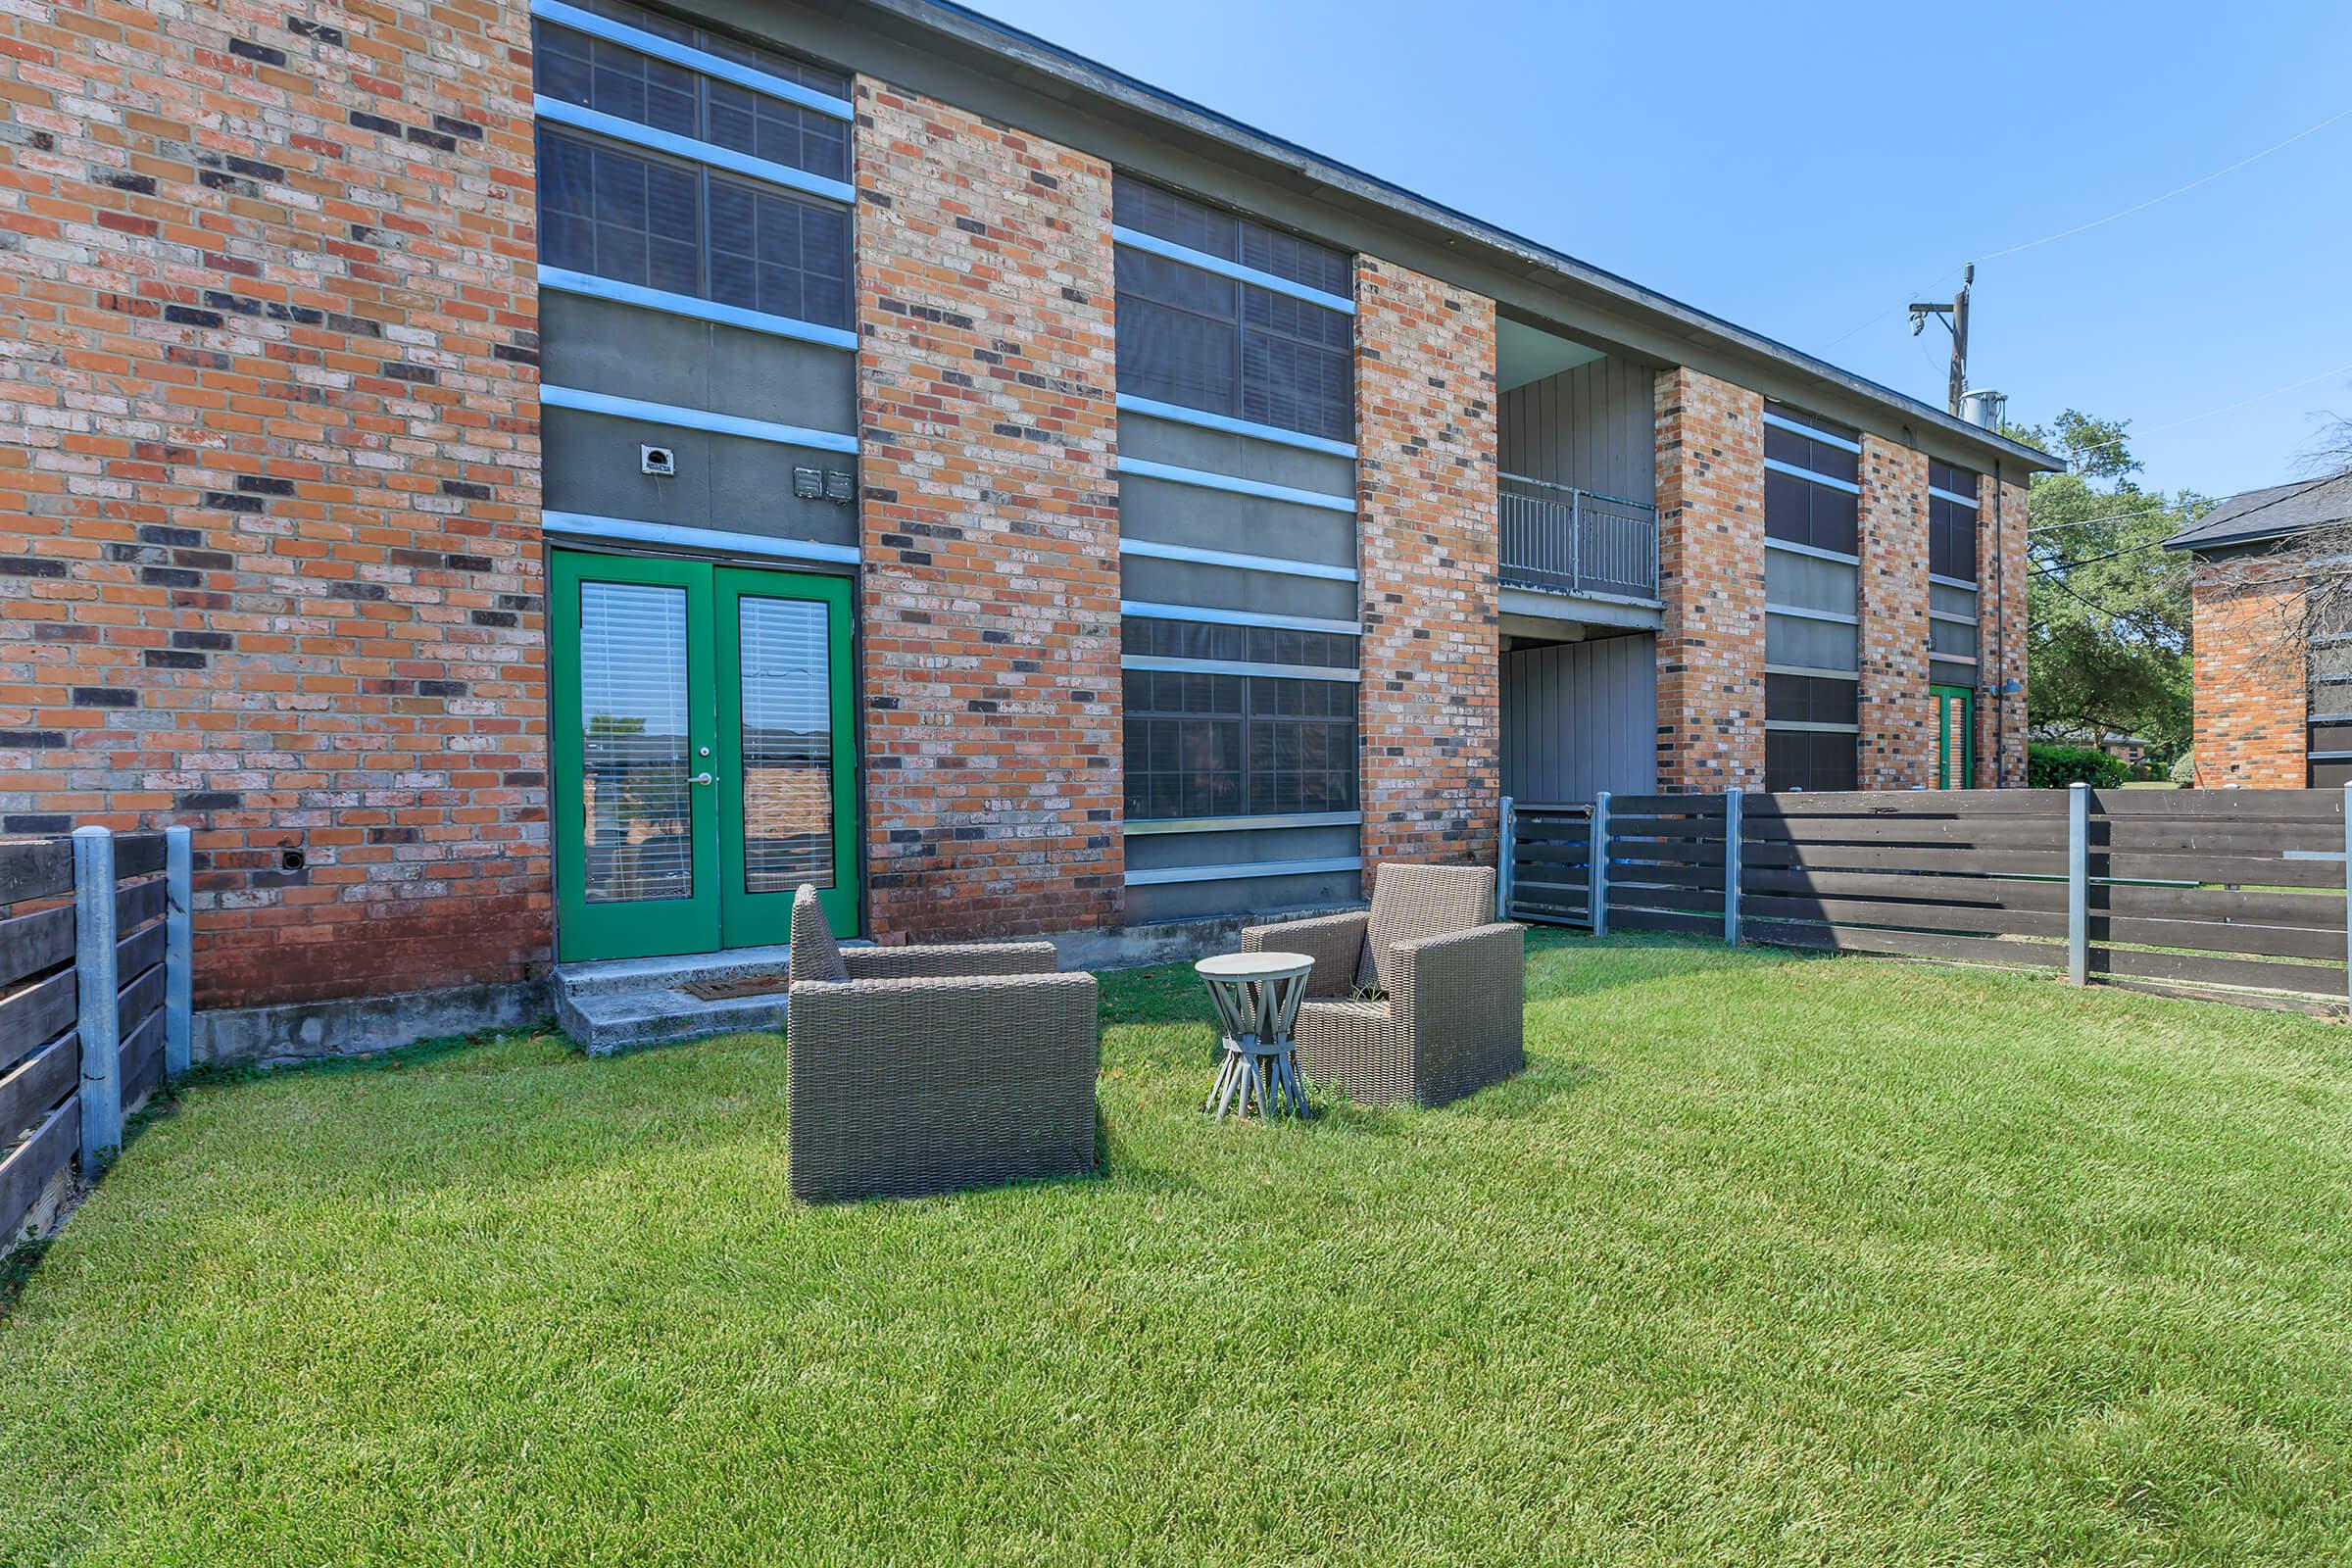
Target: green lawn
[(1762, 1260)]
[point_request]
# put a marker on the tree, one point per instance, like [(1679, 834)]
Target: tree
[(2107, 606), (2306, 579)]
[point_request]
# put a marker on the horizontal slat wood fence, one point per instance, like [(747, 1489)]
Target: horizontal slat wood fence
[(2224, 891), (94, 1000)]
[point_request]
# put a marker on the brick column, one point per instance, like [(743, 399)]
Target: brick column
[(2001, 575), (1898, 718), (1431, 699), (268, 476), (990, 593), (1710, 467), (2250, 688)]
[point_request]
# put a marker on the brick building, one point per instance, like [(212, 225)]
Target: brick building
[(534, 481), (2273, 707)]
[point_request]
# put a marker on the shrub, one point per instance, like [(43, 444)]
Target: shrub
[(2054, 767), (2184, 770)]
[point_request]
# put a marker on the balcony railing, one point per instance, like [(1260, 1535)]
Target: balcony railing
[(1559, 539)]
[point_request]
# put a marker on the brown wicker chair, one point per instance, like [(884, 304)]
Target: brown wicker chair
[(1451, 1021), (924, 1069)]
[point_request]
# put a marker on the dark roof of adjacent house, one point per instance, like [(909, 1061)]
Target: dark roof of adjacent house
[(2272, 514), (1014, 50)]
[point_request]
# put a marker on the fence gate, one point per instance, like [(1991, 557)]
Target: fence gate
[(1547, 864)]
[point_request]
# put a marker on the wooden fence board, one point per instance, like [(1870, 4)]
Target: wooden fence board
[(137, 855), (2315, 979), (140, 950), (1911, 944), (25, 1173), (1636, 897), (31, 1089), (1916, 916), (32, 942), (135, 1001), (2321, 909), (2176, 835), (1708, 806), (1906, 858), (1700, 925), (2235, 869), (1965, 803), (2208, 936), (140, 903), (1960, 891), (1552, 853), (140, 1064), (2222, 805), (35, 868), (1935, 832), (34, 1016), (1665, 852)]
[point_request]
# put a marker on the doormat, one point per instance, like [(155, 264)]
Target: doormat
[(765, 982)]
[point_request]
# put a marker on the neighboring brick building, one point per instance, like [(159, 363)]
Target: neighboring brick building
[(2272, 705), (536, 482)]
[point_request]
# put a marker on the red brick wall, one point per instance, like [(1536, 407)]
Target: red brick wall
[(991, 587), (1898, 720), (1427, 540), (1710, 475), (2249, 695), (268, 472), (2001, 576)]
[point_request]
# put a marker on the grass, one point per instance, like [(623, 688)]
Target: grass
[(1762, 1260)]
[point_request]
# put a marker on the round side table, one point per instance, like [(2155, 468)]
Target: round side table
[(1257, 996)]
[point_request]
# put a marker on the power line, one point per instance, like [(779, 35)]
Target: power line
[(2060, 568), (2096, 222), (2155, 505), (2256, 398)]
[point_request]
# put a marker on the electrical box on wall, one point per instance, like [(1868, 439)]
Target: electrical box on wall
[(661, 462)]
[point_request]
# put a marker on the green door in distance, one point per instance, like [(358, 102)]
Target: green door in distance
[(1955, 737), (705, 760)]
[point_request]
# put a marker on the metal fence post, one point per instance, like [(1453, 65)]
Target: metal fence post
[(1731, 865), (94, 989), (2077, 884), (1506, 859), (180, 976), (1597, 893), (2348, 896)]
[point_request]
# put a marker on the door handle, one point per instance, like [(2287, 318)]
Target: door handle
[(704, 778)]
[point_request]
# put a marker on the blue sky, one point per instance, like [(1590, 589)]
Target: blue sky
[(1804, 169)]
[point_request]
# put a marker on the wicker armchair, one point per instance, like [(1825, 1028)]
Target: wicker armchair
[(1449, 1023), (923, 1069)]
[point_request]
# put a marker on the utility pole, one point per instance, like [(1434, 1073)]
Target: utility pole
[(1955, 317)]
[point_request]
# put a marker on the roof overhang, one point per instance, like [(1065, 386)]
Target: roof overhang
[(992, 48)]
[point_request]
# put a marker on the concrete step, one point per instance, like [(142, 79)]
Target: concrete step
[(620, 1003)]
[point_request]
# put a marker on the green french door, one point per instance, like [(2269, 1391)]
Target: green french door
[(705, 754), (1955, 737)]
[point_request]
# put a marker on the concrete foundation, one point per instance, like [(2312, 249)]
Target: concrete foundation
[(354, 1026)]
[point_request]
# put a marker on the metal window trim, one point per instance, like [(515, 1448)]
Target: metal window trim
[(1160, 876), (1953, 495), (1268, 822), (586, 525), (1210, 419), (1152, 610), (1800, 613), (1781, 422), (2327, 718), (1156, 550), (1791, 546), (1238, 667), (1206, 480), (693, 59), (582, 400), (1953, 618), (1813, 672), (709, 154), (1942, 581), (1935, 658), (1806, 726), (1273, 282), (1776, 465), (563, 280)]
